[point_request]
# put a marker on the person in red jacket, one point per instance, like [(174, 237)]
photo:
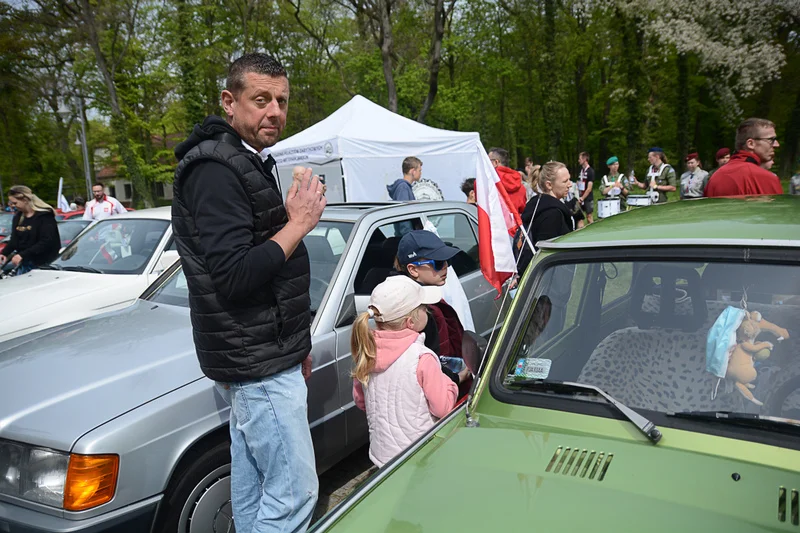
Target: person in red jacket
[(743, 175), (509, 178)]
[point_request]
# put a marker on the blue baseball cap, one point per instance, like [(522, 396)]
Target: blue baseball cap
[(419, 244)]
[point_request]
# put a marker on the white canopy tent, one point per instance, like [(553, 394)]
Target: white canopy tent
[(361, 146)]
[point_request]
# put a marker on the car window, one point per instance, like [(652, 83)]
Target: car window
[(69, 229), (325, 245), (380, 252), (174, 292), (667, 336), (114, 246), (6, 221), (322, 245), (456, 230)]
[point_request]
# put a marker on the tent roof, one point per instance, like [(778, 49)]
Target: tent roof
[(359, 125)]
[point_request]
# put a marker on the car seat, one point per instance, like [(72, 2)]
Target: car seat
[(659, 364)]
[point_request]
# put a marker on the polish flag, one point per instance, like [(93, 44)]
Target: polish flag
[(496, 222)]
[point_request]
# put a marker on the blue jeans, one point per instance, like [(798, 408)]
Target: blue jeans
[(274, 481)]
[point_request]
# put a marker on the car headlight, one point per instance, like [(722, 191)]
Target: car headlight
[(67, 481)]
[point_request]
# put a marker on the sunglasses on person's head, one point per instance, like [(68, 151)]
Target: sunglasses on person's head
[(437, 265)]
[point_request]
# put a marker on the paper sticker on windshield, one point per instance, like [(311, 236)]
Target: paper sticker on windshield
[(533, 368)]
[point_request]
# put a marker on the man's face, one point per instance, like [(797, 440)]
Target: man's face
[(98, 192), (416, 173), (471, 198), (581, 160), (493, 158), (692, 164), (258, 112), (654, 158), (528, 167), (764, 145), (724, 159)]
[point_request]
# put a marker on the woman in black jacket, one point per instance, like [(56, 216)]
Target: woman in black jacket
[(545, 215), (34, 233)]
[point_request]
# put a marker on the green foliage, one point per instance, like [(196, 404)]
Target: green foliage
[(542, 78)]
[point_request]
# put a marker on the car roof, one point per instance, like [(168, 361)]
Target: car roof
[(768, 221), (352, 212)]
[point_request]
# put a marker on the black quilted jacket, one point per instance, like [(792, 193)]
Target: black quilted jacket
[(240, 337)]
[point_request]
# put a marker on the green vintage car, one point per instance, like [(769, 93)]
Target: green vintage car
[(597, 410)]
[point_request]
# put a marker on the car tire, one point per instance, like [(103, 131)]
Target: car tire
[(197, 499)]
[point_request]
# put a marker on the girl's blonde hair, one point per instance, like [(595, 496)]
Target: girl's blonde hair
[(547, 174), (533, 176), (25, 193), (362, 342)]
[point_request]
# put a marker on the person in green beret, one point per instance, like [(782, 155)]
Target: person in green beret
[(615, 185)]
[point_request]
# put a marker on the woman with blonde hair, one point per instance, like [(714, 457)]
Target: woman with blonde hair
[(545, 216), (34, 233), (397, 380)]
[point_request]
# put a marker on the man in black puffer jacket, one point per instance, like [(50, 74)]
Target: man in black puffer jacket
[(248, 274)]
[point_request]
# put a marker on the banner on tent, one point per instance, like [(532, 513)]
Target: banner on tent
[(318, 153)]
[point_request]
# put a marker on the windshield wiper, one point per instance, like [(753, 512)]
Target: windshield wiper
[(741, 419), (82, 268), (560, 387), (51, 266)]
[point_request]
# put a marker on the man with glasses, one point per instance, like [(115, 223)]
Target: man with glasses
[(743, 174)]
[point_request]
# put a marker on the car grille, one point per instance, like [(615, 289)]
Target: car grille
[(577, 462), (794, 505)]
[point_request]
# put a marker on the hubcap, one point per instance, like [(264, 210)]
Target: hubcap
[(208, 507)]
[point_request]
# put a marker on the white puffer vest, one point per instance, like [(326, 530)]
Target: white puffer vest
[(397, 410)]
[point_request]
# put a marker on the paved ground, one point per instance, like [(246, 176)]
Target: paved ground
[(338, 482)]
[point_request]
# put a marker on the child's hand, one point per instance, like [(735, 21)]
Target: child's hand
[(464, 375)]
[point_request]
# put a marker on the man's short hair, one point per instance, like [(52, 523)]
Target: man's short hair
[(467, 186), (257, 63), (749, 129), (585, 156), (501, 154), (98, 185), (410, 163)]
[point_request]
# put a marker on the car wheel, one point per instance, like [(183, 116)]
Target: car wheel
[(198, 498)]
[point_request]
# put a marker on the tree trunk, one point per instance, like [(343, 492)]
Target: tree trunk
[(632, 42), (582, 104), (119, 123), (387, 50), (682, 112), (436, 59), (551, 98), (603, 151)]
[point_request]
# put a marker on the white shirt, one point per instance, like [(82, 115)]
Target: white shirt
[(99, 210), (263, 154)]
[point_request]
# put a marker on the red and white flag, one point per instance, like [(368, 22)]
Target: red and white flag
[(496, 221)]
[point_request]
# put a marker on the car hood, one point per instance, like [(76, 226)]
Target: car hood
[(44, 298), (60, 383), (496, 479)]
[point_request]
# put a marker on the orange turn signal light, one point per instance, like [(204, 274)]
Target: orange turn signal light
[(91, 481)]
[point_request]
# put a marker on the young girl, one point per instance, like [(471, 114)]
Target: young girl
[(396, 379)]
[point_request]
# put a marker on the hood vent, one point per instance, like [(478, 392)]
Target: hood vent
[(794, 505), (580, 462)]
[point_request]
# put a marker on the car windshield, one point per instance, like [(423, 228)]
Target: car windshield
[(69, 229), (114, 246), (325, 245), (6, 220), (667, 337)]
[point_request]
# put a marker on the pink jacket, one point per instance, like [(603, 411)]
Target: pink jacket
[(439, 390)]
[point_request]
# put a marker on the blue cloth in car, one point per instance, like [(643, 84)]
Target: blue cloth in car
[(722, 339)]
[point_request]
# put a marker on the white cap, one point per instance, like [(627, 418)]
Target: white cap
[(399, 295)]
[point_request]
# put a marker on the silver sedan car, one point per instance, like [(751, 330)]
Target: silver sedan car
[(108, 424)]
